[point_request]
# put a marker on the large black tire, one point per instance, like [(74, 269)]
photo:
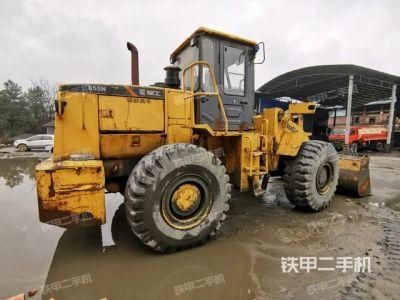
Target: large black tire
[(157, 189), (311, 178), (354, 147)]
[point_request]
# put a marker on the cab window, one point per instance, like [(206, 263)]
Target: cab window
[(234, 71), (184, 59), (338, 131), (207, 54)]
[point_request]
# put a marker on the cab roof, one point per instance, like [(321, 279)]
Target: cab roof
[(204, 30)]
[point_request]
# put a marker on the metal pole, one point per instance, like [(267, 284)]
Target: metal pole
[(348, 111), (334, 118), (391, 118)]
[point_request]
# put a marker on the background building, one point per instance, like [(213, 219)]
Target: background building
[(49, 127), (372, 113)]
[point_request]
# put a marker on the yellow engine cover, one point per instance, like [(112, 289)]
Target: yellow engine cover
[(130, 114)]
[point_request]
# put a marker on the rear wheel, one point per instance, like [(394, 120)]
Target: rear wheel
[(311, 178), (177, 197)]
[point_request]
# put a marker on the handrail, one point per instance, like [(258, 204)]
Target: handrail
[(251, 154), (216, 93)]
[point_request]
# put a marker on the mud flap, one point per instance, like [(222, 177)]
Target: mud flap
[(354, 177), (71, 193)]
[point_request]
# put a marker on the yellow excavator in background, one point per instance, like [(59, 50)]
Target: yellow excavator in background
[(175, 149)]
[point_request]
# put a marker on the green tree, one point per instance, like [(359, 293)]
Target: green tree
[(35, 100), (14, 115), (45, 93), (25, 112)]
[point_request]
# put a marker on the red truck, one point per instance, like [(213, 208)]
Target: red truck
[(361, 137)]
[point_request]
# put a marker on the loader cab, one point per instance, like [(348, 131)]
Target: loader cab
[(231, 59)]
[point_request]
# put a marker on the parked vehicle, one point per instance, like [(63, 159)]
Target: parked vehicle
[(361, 137), (36, 142)]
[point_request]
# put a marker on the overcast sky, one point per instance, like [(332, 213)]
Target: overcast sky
[(84, 41)]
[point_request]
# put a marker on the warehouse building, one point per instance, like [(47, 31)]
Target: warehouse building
[(341, 88)]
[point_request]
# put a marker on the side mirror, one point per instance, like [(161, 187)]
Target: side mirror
[(255, 50)]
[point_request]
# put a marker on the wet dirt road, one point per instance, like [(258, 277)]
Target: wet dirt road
[(243, 262)]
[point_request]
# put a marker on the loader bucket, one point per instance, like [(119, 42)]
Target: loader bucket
[(354, 179)]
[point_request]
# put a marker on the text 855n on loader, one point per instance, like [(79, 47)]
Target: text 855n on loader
[(160, 146)]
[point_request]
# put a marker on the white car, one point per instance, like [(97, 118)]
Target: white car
[(36, 142)]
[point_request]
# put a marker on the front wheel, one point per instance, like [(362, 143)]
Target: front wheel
[(311, 178), (354, 147), (22, 148), (177, 197)]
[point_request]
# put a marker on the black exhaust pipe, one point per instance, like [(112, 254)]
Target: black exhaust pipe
[(134, 63)]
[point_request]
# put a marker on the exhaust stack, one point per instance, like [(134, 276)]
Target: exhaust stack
[(134, 63)]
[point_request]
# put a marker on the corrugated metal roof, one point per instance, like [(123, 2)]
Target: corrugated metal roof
[(328, 85)]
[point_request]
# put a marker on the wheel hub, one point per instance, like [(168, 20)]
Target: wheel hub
[(324, 178), (186, 197), (186, 201)]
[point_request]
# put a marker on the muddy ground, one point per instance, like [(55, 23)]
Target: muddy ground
[(243, 262)]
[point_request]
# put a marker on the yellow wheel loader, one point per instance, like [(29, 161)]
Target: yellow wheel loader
[(175, 149)]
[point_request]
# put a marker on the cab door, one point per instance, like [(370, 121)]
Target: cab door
[(234, 74), (237, 84)]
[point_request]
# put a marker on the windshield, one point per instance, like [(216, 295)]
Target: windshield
[(338, 131), (184, 59)]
